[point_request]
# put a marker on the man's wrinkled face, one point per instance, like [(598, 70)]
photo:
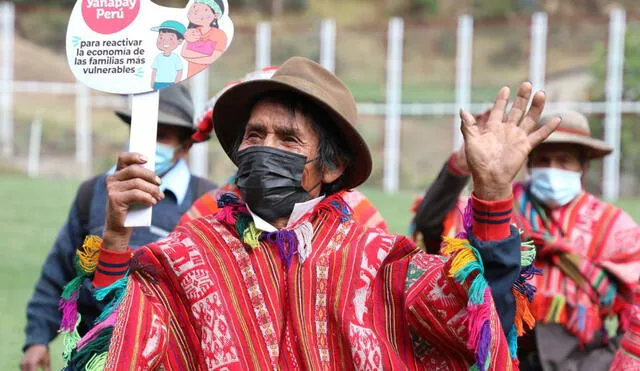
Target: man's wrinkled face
[(272, 125), (557, 156)]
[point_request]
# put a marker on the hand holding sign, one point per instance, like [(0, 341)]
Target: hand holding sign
[(137, 47)]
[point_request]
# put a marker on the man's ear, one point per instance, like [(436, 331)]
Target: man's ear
[(331, 175)]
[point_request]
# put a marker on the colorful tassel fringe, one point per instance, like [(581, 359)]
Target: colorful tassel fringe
[(298, 240), (465, 262), (90, 352), (466, 268), (86, 263)]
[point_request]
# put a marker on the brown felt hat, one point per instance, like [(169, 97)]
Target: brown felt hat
[(310, 80), (574, 129)]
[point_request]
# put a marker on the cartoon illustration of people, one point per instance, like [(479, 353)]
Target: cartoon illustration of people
[(167, 67), (205, 42)]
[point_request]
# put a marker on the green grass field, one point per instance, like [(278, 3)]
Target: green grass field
[(31, 213)]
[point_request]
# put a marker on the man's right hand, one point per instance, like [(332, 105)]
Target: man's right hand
[(131, 184), (36, 357)]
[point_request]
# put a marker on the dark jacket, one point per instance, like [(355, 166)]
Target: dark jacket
[(440, 198), (43, 317)]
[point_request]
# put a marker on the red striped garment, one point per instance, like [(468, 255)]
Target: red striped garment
[(628, 356), (589, 253), (208, 298)]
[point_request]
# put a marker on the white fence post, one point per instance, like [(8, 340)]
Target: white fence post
[(538, 52), (83, 129), (393, 109), (7, 17), (464, 62), (35, 139), (199, 153), (328, 44), (263, 45), (615, 64)]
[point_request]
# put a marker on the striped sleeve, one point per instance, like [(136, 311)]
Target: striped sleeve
[(491, 219), (112, 265)]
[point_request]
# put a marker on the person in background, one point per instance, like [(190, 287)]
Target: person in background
[(87, 217), (628, 356), (284, 277), (588, 250), (437, 208), (363, 210)]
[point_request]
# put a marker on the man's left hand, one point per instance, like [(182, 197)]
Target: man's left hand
[(497, 148)]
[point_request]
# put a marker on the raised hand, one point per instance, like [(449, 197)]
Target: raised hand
[(131, 184), (497, 148), (461, 157)]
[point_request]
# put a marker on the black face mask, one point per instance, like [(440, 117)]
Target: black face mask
[(270, 181)]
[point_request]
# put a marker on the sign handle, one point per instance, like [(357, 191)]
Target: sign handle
[(142, 139)]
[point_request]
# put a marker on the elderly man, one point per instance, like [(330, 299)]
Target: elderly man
[(288, 280), (363, 210), (87, 217), (588, 250)]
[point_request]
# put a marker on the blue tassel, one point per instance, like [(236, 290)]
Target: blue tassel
[(512, 339), (582, 314), (521, 284), (118, 288), (343, 209), (228, 199), (477, 289), (610, 295)]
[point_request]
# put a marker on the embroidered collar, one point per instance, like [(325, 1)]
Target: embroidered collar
[(296, 238)]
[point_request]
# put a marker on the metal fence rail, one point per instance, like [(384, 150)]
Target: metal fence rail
[(393, 109)]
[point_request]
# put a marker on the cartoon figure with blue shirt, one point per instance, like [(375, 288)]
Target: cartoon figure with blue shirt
[(167, 67)]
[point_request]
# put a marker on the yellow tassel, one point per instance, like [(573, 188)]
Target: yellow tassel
[(251, 235), (89, 253), (555, 309), (452, 245), (461, 251), (461, 260)]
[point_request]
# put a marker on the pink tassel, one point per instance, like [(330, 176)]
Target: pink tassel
[(69, 309), (226, 216), (480, 330), (109, 321)]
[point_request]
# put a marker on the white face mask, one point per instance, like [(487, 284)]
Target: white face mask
[(555, 187)]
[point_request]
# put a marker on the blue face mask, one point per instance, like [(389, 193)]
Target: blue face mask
[(555, 187), (164, 158)]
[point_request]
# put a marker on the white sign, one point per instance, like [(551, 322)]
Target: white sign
[(137, 46)]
